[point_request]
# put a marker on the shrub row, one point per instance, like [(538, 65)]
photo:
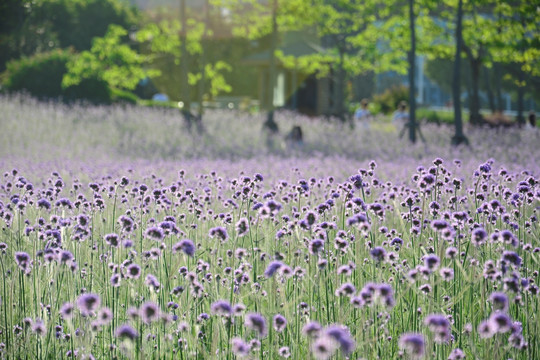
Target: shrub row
[(41, 76)]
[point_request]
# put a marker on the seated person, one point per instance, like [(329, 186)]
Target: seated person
[(295, 138)]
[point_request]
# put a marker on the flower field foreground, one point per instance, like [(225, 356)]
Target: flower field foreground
[(206, 266), (122, 235)]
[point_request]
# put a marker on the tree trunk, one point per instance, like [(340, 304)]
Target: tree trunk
[(498, 92), (474, 111), (520, 99), (203, 66), (340, 87), (412, 97), (184, 85), (270, 123), (459, 137), (489, 90)]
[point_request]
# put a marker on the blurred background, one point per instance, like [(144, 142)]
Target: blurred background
[(452, 61)]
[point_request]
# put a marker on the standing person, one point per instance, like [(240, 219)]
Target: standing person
[(362, 115), (531, 119), (401, 115)]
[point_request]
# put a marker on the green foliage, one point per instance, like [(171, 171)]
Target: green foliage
[(218, 84), (109, 60), (253, 19), (161, 42), (123, 96), (24, 31), (389, 100), (28, 27), (40, 75), (77, 22)]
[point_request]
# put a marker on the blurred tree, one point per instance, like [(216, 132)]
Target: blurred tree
[(254, 20), (24, 30), (339, 23), (459, 137), (77, 22), (401, 30), (494, 32), (518, 43), (32, 26), (178, 55), (184, 65), (412, 71), (111, 60)]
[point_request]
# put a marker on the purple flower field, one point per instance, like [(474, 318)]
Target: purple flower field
[(125, 236)]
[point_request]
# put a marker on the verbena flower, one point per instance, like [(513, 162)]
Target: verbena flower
[(186, 245), (88, 304), (221, 307), (378, 253), (456, 354), (126, 332), (439, 326), (272, 268), (239, 347), (257, 323), (279, 322), (154, 233), (512, 257), (486, 329), (152, 282), (220, 233), (133, 271), (342, 336), (284, 352), (346, 289), (23, 261), (242, 227), (499, 301), (316, 246), (312, 329), (413, 344), (39, 328), (112, 239), (105, 316), (149, 312), (447, 273), (432, 261), (500, 322), (66, 311), (324, 347), (479, 236)]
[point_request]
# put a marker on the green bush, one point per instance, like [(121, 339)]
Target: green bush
[(436, 117), (159, 104), (388, 101), (40, 75), (95, 91)]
